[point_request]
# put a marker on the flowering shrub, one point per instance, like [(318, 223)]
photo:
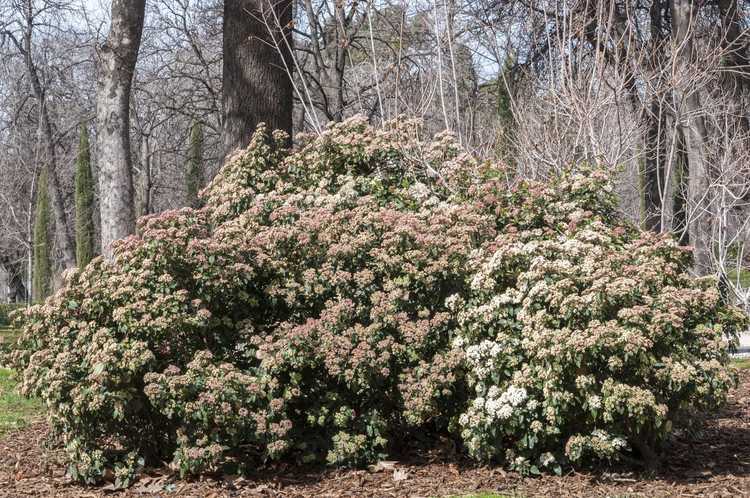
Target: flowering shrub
[(301, 314), (585, 338), (331, 301)]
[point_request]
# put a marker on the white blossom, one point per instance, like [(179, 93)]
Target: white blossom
[(546, 459)]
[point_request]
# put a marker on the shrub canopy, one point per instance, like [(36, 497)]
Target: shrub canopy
[(333, 302)]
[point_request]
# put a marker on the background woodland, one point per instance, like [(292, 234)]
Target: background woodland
[(94, 132)]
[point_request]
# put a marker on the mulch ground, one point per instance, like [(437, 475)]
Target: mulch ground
[(712, 461)]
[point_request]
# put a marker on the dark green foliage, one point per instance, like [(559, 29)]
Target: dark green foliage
[(42, 271), (194, 173), (504, 102), (5, 310), (679, 201), (84, 197), (505, 83)]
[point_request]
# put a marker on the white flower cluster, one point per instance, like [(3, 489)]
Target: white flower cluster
[(453, 302), (482, 357), (606, 439), (595, 401), (419, 191), (347, 192), (482, 281), (496, 405), (502, 407), (484, 278), (487, 312), (547, 459)]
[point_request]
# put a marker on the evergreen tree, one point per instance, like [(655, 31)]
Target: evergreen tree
[(194, 173), (84, 197), (504, 109), (42, 267)]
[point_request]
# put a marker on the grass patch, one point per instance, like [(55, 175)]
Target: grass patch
[(8, 338), (15, 410), (8, 335), (742, 363), (744, 275)]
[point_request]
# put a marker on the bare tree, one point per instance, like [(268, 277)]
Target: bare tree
[(117, 59), (24, 18), (177, 82)]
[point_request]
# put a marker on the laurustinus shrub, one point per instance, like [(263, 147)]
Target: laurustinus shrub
[(333, 302), (585, 339)]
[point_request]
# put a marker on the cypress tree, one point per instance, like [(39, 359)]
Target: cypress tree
[(194, 173), (504, 109), (504, 82), (42, 267), (84, 197)]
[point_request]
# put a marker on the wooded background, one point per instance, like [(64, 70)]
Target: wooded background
[(113, 111)]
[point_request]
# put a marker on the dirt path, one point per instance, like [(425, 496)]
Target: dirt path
[(714, 461)]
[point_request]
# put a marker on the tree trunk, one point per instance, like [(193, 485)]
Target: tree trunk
[(257, 86), (117, 61), (692, 125), (62, 229), (735, 42), (654, 169), (342, 42)]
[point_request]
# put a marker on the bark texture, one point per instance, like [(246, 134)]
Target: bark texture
[(735, 41), (257, 88), (117, 61), (693, 127)]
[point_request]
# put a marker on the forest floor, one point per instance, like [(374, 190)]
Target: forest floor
[(714, 460)]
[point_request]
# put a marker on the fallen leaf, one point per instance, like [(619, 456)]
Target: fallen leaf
[(400, 475), (382, 466)]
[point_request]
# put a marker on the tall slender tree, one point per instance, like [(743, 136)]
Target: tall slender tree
[(257, 63), (84, 199), (42, 266), (117, 59), (142, 179), (194, 174), (505, 117)]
